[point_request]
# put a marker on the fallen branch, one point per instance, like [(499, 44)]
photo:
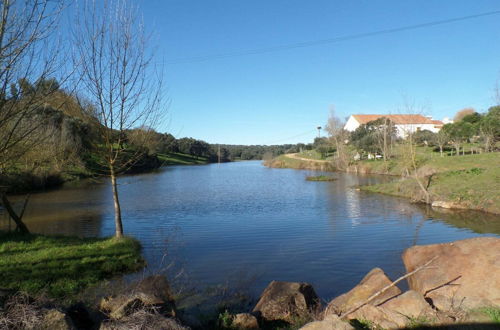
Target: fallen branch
[(378, 293)]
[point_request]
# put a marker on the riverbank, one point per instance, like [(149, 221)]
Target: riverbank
[(459, 182), (60, 266), (448, 289), (23, 181)]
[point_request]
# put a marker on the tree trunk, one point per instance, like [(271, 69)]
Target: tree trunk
[(118, 212), (20, 226), (441, 150)]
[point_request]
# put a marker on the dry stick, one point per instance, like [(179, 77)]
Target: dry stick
[(375, 295)]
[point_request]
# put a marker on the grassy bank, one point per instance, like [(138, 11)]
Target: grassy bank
[(177, 158), (469, 182), (63, 266), (283, 161)]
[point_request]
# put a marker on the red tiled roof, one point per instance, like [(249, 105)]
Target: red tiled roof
[(398, 119)]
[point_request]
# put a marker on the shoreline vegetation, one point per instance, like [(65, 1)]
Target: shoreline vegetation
[(56, 298), (62, 266), (457, 182)]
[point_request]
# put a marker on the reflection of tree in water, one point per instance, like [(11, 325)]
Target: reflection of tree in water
[(75, 212), (478, 222)]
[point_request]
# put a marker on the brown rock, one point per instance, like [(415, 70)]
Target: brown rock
[(245, 321), (330, 322), (152, 293), (56, 320), (144, 321), (285, 301), (373, 282), (412, 305), (380, 316), (465, 275)]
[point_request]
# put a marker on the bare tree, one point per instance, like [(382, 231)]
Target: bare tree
[(409, 151), (119, 81), (29, 58), (335, 129), (442, 139), (28, 53)]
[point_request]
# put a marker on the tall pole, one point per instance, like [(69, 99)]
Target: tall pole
[(319, 131)]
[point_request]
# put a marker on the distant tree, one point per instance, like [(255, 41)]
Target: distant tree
[(489, 127), (425, 137), (441, 139), (462, 113), (337, 134)]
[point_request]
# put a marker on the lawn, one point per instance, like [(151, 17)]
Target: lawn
[(63, 266), (472, 181), (177, 158)]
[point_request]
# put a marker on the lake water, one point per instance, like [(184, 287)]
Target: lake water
[(245, 225)]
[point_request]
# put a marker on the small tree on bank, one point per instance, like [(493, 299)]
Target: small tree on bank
[(120, 83)]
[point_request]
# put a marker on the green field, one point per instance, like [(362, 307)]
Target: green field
[(63, 266), (177, 158), (470, 181)]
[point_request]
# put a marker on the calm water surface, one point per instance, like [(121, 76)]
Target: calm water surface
[(246, 224)]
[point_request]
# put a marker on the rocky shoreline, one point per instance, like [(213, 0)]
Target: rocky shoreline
[(449, 284)]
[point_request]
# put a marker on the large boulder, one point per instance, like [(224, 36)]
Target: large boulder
[(152, 293), (287, 301), (465, 275), (330, 322), (382, 317), (373, 282), (412, 305)]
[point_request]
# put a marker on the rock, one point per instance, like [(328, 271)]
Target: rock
[(152, 293), (245, 321), (412, 305), (144, 321), (447, 205), (373, 282), (56, 320), (380, 316), (465, 275), (286, 301), (330, 322)]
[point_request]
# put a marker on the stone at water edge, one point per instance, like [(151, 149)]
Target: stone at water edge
[(331, 322), (245, 321), (373, 282), (151, 293), (287, 301), (465, 275)]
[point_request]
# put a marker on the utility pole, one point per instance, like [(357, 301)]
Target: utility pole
[(319, 131)]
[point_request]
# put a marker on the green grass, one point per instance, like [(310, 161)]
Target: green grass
[(177, 158), (471, 181), (63, 266), (321, 178), (493, 313)]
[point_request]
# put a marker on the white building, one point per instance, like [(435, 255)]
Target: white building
[(404, 123)]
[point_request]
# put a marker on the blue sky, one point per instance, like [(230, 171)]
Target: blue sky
[(280, 97)]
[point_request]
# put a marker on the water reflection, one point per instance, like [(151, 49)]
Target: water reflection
[(216, 221)]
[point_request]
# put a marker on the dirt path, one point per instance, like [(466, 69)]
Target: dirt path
[(295, 156)]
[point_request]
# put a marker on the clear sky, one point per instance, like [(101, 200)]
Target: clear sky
[(281, 96)]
